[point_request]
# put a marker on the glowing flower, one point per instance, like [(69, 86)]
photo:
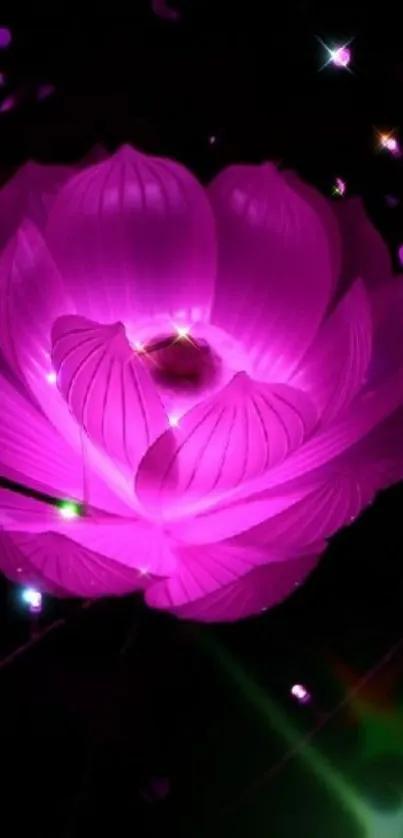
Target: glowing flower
[(229, 382)]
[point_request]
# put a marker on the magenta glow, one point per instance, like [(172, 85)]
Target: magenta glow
[(341, 56), (5, 37), (390, 143), (301, 694), (33, 599), (213, 374)]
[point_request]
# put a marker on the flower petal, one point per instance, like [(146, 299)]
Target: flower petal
[(369, 410), (29, 194), (365, 254), (333, 370), (134, 237), (132, 542), (372, 464), (16, 567), (67, 565), (229, 518), (324, 210), (203, 570), (260, 589), (334, 505), (345, 488), (387, 307), (108, 389), (275, 271), (23, 512), (32, 452), (31, 298), (237, 434)]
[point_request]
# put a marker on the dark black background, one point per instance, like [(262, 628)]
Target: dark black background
[(119, 694)]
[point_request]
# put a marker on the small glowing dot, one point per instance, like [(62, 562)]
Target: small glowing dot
[(389, 143), (212, 140), (51, 378), (44, 91), (8, 104), (69, 510), (173, 421), (341, 56), (139, 346), (33, 598), (143, 571), (182, 331), (339, 187), (300, 692)]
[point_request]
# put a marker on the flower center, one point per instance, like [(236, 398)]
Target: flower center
[(180, 362)]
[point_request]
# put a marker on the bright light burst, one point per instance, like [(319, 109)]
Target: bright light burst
[(182, 331), (301, 693), (389, 142), (173, 421), (339, 187), (340, 56), (33, 599), (69, 510)]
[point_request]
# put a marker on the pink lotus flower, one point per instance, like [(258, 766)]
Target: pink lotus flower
[(216, 376)]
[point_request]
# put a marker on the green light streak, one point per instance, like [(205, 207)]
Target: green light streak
[(318, 764)]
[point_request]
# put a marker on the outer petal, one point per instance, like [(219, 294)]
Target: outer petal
[(260, 589), (203, 570), (64, 565), (29, 194), (229, 518), (32, 452), (134, 236), (24, 512), (237, 434), (130, 542), (16, 567), (334, 368), (275, 266), (327, 216), (107, 387), (369, 410), (345, 488), (335, 504), (365, 254), (387, 307), (32, 297), (347, 482)]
